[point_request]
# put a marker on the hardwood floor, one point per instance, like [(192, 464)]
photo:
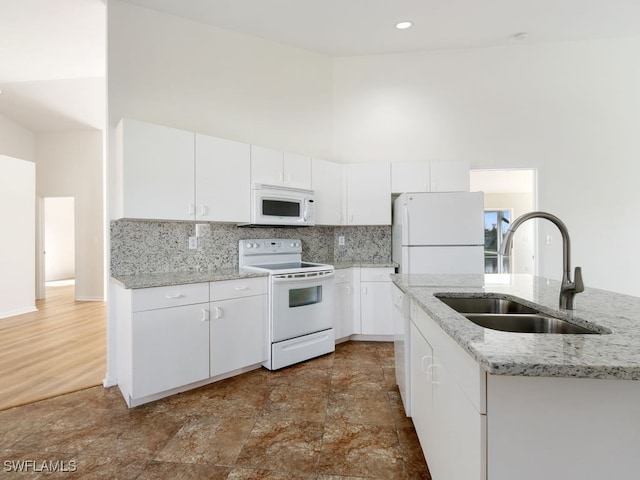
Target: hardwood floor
[(60, 348)]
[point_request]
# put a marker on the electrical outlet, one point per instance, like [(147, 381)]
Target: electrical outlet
[(340, 239), (193, 243)]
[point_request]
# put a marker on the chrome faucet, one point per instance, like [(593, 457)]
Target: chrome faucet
[(568, 289)]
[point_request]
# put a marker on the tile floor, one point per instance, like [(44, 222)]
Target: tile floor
[(337, 417)]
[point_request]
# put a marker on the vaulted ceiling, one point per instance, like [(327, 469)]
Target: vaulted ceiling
[(52, 54)]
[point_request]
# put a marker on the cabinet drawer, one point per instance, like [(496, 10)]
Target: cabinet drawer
[(171, 296), (378, 274), (244, 287)]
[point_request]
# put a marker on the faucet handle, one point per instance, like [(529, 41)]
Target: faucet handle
[(578, 284)]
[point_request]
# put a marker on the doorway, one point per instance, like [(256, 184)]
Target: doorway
[(508, 193), (57, 239)]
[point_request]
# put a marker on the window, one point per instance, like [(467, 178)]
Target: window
[(496, 224)]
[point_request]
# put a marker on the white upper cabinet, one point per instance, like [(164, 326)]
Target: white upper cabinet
[(266, 166), (273, 167), (327, 183), (296, 170), (449, 177), (223, 175), (368, 194), (429, 177), (155, 172), (410, 177)]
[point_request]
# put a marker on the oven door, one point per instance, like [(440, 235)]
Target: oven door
[(301, 303)]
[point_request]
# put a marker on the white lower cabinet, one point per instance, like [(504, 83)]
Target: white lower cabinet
[(376, 304), (343, 315), (421, 355), (238, 325), (447, 403), (174, 338), (170, 348)]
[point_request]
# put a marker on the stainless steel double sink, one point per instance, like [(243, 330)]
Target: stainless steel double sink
[(510, 316)]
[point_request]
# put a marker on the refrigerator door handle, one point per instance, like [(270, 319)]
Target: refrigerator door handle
[(405, 222)]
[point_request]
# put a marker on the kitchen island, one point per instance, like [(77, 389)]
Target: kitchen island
[(497, 405)]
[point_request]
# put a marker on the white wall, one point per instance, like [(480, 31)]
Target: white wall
[(185, 74), (571, 110), (17, 241), (70, 165), (16, 141), (59, 238)]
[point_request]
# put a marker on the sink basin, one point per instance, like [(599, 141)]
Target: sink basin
[(526, 323), (510, 316), (485, 305)]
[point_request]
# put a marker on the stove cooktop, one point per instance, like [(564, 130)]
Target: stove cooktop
[(276, 256), (290, 265)]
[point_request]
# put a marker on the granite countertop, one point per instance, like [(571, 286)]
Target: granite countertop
[(181, 278), (363, 264), (614, 355)]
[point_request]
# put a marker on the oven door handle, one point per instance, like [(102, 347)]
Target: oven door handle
[(301, 280)]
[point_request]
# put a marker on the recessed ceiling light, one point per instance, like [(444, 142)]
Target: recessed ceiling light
[(403, 25)]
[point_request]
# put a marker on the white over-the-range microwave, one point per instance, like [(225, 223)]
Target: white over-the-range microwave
[(281, 206)]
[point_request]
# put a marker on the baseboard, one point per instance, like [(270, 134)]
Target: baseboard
[(108, 381), (18, 311), (89, 299)]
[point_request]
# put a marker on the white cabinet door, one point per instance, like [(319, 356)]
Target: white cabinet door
[(155, 172), (170, 348), (410, 177), (266, 166), (421, 388), (223, 177), (376, 308), (449, 177), (238, 333), (327, 183), (368, 194), (296, 171), (460, 449), (343, 320)]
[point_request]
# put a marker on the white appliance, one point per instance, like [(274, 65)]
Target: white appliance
[(300, 300), (432, 233), (276, 205), (439, 232)]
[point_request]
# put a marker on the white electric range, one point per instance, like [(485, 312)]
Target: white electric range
[(300, 299)]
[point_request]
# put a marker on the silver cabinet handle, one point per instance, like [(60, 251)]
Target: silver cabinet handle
[(205, 315), (172, 297)]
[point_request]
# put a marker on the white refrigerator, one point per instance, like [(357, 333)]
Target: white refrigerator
[(439, 232)]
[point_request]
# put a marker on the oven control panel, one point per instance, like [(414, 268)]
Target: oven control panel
[(263, 246)]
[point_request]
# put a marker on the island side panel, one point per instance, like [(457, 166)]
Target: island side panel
[(543, 427)]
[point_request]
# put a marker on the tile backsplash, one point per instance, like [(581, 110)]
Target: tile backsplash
[(142, 247)]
